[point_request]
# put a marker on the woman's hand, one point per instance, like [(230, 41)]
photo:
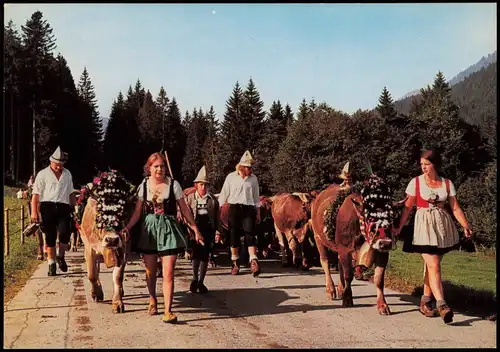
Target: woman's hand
[(198, 237), (126, 233), (396, 231), (467, 232)]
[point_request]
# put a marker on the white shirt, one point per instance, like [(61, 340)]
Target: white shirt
[(50, 188), (166, 192), (425, 191), (237, 190), (201, 203)]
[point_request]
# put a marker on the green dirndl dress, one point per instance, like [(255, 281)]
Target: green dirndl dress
[(160, 232)]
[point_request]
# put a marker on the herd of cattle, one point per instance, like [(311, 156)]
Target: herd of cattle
[(293, 221)]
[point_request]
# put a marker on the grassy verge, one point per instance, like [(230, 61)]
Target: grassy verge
[(469, 279), (21, 262)]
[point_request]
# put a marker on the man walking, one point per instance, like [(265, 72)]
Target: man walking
[(241, 191), (53, 192)]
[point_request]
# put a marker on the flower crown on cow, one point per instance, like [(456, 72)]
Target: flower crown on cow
[(112, 192)]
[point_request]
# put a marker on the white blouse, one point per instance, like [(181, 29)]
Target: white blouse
[(425, 191), (166, 192)]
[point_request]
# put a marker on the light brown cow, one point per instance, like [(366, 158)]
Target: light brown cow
[(291, 221), (110, 246)]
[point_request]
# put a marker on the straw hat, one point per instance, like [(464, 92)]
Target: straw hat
[(247, 159), (202, 176), (58, 156), (345, 171)]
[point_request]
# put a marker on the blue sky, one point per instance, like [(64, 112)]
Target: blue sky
[(343, 54)]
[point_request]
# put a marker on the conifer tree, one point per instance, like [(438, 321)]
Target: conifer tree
[(232, 138)]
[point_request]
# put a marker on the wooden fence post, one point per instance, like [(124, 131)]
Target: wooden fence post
[(22, 224), (6, 231)]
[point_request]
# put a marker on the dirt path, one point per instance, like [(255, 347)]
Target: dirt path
[(283, 308)]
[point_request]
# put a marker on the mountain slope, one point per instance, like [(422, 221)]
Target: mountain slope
[(484, 62), (476, 95)]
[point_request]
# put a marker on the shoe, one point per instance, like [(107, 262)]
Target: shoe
[(52, 269), (202, 288), (153, 307), (235, 270), (427, 310), (170, 318), (254, 266), (62, 264), (194, 286), (446, 313)]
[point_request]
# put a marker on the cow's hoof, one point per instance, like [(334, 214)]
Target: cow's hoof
[(118, 307), (98, 295), (340, 293), (347, 302), (383, 309)]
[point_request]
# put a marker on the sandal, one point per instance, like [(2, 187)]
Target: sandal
[(235, 270), (254, 265), (170, 318), (153, 307)]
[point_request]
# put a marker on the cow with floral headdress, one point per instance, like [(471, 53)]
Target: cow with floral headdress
[(355, 220), (105, 205)]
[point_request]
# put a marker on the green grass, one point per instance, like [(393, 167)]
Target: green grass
[(472, 270), (21, 262), (469, 279)]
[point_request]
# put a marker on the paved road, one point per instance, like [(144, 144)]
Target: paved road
[(283, 308)]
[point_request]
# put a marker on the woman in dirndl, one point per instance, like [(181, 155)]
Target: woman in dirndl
[(158, 196), (435, 233)]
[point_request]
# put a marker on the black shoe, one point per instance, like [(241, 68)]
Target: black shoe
[(194, 286), (62, 264), (52, 269), (202, 288)]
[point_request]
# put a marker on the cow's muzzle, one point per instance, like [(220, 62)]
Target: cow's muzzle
[(383, 244), (111, 241)]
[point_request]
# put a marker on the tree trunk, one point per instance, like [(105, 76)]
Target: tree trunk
[(11, 144), (34, 136)]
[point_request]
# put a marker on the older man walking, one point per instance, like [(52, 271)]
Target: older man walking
[(53, 192)]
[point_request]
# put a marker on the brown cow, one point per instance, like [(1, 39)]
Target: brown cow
[(351, 220), (291, 217), (112, 247)]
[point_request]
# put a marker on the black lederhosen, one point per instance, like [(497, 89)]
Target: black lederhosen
[(242, 222), (55, 218), (207, 230)]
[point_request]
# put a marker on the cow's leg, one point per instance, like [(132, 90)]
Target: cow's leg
[(93, 275), (306, 254), (346, 277), (74, 241), (283, 248), (294, 247), (117, 300), (39, 248), (381, 260), (323, 257)]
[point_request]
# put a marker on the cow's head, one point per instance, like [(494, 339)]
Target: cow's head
[(374, 207)]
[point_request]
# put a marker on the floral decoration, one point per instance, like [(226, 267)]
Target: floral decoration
[(112, 193)]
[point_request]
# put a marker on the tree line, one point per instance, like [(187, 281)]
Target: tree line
[(299, 151)]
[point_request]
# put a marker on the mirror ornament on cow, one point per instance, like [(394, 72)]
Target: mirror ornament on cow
[(106, 204)]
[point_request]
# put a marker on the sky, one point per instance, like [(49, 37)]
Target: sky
[(342, 54)]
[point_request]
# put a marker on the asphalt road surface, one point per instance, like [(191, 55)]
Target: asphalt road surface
[(283, 308)]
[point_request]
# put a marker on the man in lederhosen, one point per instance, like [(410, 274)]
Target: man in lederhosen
[(53, 191), (241, 191)]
